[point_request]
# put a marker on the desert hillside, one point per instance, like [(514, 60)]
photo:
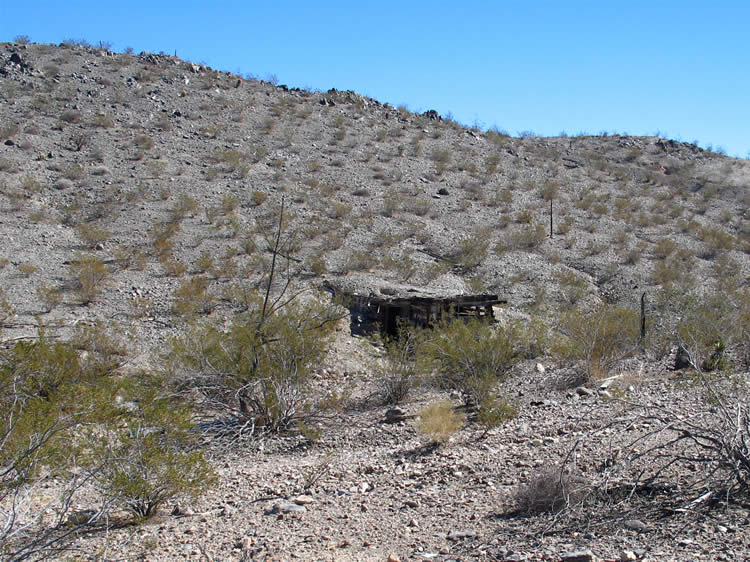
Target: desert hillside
[(151, 207)]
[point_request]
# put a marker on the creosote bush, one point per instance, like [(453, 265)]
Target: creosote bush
[(399, 373), (259, 369), (66, 414), (470, 356), (153, 455), (598, 338)]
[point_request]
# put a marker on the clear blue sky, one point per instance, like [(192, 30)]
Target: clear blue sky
[(677, 67)]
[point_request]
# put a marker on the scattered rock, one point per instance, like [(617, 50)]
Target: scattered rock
[(458, 535), (395, 415), (540, 368), (284, 507), (304, 500), (583, 391), (578, 556), (635, 525)]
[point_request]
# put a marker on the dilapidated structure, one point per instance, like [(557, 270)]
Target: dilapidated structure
[(385, 307)]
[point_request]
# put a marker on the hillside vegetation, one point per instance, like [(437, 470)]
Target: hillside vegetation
[(168, 230)]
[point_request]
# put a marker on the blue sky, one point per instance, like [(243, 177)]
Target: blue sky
[(680, 68)]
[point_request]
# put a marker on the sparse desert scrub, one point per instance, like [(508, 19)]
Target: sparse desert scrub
[(525, 237), (398, 373), (192, 297), (92, 234), (50, 297), (598, 338), (551, 490), (89, 275), (259, 370)]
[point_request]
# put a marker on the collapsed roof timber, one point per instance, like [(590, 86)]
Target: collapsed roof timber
[(370, 313)]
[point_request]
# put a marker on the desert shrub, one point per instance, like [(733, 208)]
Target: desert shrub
[(173, 267), (677, 269), (192, 297), (599, 338), (79, 140), (526, 237), (103, 120), (470, 357), (153, 457), (664, 248), (204, 262), (442, 159), (7, 165), (338, 210), (392, 202), (49, 296), (59, 412), (257, 198), (185, 206), (439, 422), (73, 172), (143, 142), (258, 370), (316, 263), (29, 184), (361, 261), (71, 116), (715, 241), (6, 309), (711, 328), (92, 234), (549, 190), (89, 276), (399, 372), (471, 251), (493, 411), (27, 269), (550, 491)]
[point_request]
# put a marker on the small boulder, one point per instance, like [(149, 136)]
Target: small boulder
[(395, 415), (579, 556)]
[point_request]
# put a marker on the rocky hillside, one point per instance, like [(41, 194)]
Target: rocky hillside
[(149, 164), (143, 191)]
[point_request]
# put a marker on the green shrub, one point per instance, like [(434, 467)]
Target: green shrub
[(92, 234), (259, 369), (153, 454), (192, 297), (50, 297), (399, 373), (61, 407), (599, 338), (469, 356)]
